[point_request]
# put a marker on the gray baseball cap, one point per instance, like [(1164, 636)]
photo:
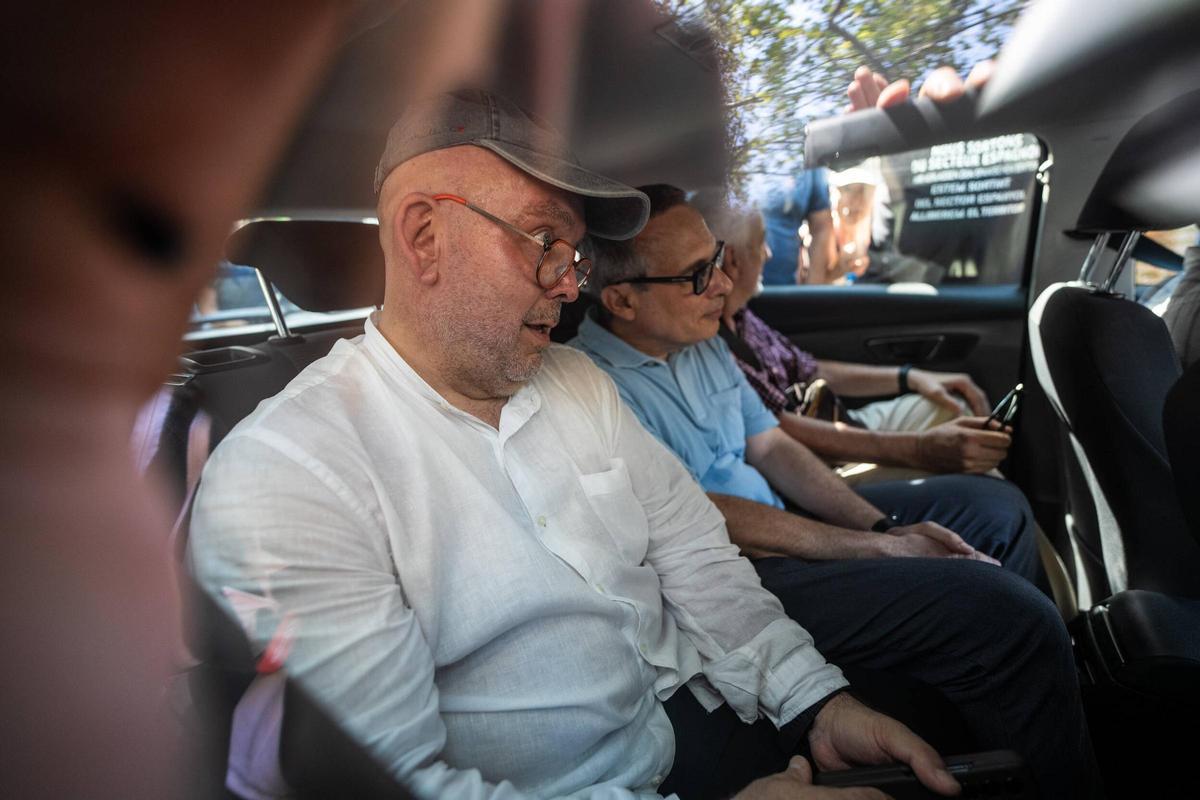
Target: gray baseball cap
[(612, 209)]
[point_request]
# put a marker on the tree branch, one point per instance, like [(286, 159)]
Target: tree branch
[(854, 41)]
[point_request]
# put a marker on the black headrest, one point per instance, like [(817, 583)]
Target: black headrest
[(1145, 185), (318, 264), (643, 104)]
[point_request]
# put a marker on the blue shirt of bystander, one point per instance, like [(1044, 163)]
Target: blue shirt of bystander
[(784, 209)]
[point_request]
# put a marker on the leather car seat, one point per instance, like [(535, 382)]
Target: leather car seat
[(1106, 364)]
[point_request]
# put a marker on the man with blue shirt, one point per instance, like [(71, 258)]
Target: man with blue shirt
[(948, 616), (803, 198), (656, 336)]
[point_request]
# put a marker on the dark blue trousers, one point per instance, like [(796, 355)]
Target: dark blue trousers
[(986, 637), (992, 515)]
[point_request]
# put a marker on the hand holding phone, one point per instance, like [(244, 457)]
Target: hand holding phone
[(1006, 410), (996, 774)]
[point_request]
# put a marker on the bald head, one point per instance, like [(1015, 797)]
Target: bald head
[(461, 301), (479, 176), (456, 170)]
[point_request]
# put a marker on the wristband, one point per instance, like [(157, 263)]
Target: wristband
[(902, 378)]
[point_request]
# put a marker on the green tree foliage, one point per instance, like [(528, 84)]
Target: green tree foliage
[(786, 63)]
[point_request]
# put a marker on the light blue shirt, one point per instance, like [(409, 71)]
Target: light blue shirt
[(697, 403)]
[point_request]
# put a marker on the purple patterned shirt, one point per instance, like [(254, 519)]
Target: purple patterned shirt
[(780, 365)]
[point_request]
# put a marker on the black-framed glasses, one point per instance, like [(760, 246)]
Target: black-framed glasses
[(699, 278), (557, 256)]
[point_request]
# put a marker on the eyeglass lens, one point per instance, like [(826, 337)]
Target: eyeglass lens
[(702, 277), (557, 260)]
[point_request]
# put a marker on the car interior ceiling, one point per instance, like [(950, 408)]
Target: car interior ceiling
[(1125, 411), (644, 105)]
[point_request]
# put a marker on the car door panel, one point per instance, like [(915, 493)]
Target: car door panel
[(976, 329)]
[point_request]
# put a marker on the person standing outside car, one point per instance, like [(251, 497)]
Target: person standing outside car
[(923, 430), (853, 198), (801, 200)]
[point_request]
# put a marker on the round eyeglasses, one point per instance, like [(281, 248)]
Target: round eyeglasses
[(699, 277), (557, 256)]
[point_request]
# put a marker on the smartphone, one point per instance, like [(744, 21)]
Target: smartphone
[(996, 774), (1006, 410)]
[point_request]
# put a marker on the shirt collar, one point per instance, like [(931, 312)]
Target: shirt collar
[(393, 363), (519, 408), (599, 341)]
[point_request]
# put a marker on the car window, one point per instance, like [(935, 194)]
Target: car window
[(959, 213), (234, 303), (1177, 241)]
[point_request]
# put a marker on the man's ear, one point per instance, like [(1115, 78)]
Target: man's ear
[(621, 300), (415, 237), (730, 265)]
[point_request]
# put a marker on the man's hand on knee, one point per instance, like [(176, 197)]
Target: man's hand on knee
[(930, 540), (846, 733), (941, 388)]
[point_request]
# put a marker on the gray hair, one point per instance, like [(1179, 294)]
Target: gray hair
[(727, 216), (612, 262)]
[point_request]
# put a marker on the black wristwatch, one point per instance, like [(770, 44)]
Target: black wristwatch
[(902, 378), (791, 733), (886, 523)]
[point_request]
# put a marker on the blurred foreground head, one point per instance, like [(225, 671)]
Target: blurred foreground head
[(138, 133)]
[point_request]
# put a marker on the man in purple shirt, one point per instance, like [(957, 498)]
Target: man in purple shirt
[(923, 430)]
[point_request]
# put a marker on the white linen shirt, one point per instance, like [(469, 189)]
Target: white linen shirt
[(493, 612)]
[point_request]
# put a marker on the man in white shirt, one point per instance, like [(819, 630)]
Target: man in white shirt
[(468, 549)]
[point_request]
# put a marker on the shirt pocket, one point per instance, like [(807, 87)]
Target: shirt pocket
[(727, 423), (610, 494)]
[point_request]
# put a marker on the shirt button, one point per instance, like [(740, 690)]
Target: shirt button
[(541, 521), (600, 588), (656, 780)]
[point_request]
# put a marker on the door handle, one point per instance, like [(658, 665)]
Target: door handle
[(906, 349), (918, 347)]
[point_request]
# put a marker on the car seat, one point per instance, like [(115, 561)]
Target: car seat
[(1111, 373), (1106, 364), (1181, 423), (322, 265), (212, 392)]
